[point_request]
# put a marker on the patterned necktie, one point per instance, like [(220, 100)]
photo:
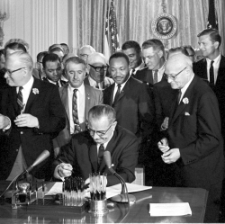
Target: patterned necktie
[(100, 153), (117, 93), (20, 100), (77, 128), (211, 73), (155, 78)]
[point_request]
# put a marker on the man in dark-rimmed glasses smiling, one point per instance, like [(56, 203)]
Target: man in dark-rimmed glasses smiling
[(97, 77), (82, 154)]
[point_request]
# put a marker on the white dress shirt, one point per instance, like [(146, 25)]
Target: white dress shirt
[(80, 105), (184, 89)]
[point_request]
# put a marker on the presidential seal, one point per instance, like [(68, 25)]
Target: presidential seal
[(164, 26)]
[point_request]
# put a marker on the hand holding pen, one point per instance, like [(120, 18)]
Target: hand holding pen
[(64, 170)]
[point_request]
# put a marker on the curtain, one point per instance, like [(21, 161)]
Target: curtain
[(134, 18)]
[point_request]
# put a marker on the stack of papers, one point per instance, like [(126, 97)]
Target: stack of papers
[(170, 209)]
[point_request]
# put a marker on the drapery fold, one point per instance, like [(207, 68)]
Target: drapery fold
[(78, 22)]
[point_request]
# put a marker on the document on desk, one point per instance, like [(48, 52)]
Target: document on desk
[(170, 209), (110, 191)]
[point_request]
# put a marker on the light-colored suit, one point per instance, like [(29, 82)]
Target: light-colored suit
[(92, 97)]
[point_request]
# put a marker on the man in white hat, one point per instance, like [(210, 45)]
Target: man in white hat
[(97, 74)]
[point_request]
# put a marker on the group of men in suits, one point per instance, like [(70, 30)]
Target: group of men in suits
[(176, 109)]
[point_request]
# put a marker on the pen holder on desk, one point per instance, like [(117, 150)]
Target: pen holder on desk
[(73, 192), (98, 203)]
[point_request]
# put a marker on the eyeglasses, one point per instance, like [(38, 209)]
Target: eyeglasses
[(98, 69), (10, 72), (173, 77), (99, 133)]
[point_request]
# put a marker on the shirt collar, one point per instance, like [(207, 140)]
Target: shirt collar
[(184, 89), (216, 60), (80, 88), (28, 85)]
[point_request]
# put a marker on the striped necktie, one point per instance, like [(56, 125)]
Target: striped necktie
[(20, 101), (77, 128)]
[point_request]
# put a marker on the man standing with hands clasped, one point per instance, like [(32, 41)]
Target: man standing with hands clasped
[(193, 139)]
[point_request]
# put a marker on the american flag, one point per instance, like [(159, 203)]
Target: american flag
[(212, 17), (111, 33)]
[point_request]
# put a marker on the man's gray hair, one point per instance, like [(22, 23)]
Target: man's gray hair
[(24, 58), (101, 110)]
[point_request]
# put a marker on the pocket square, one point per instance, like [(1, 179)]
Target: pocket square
[(186, 114)]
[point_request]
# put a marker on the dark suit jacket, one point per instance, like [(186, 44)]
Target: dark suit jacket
[(81, 152), (200, 69), (163, 96), (47, 107), (195, 129), (145, 75), (63, 83), (92, 97), (134, 107)]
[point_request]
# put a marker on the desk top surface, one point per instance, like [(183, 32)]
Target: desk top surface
[(121, 213)]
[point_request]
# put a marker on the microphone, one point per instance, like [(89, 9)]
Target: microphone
[(123, 197), (44, 155)]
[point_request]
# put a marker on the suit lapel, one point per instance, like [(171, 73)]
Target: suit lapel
[(181, 107), (93, 155), (110, 95), (87, 99), (65, 99), (33, 95), (13, 98), (221, 71)]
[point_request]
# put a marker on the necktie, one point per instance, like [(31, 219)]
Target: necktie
[(100, 153), (75, 112), (155, 78), (133, 73), (20, 100), (178, 96), (211, 73), (117, 93)]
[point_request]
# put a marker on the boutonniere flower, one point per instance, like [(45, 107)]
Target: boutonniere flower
[(185, 100), (35, 91)]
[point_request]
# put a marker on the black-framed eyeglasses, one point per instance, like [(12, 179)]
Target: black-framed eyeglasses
[(99, 69), (10, 72), (99, 133), (173, 77)]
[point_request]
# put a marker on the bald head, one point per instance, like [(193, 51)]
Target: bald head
[(179, 70), (85, 51), (97, 58)]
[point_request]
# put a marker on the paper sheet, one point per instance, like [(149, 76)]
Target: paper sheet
[(170, 209), (110, 191)]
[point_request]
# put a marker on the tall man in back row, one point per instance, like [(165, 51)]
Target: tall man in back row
[(193, 139), (84, 153)]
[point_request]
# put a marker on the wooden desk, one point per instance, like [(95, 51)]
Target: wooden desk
[(137, 213)]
